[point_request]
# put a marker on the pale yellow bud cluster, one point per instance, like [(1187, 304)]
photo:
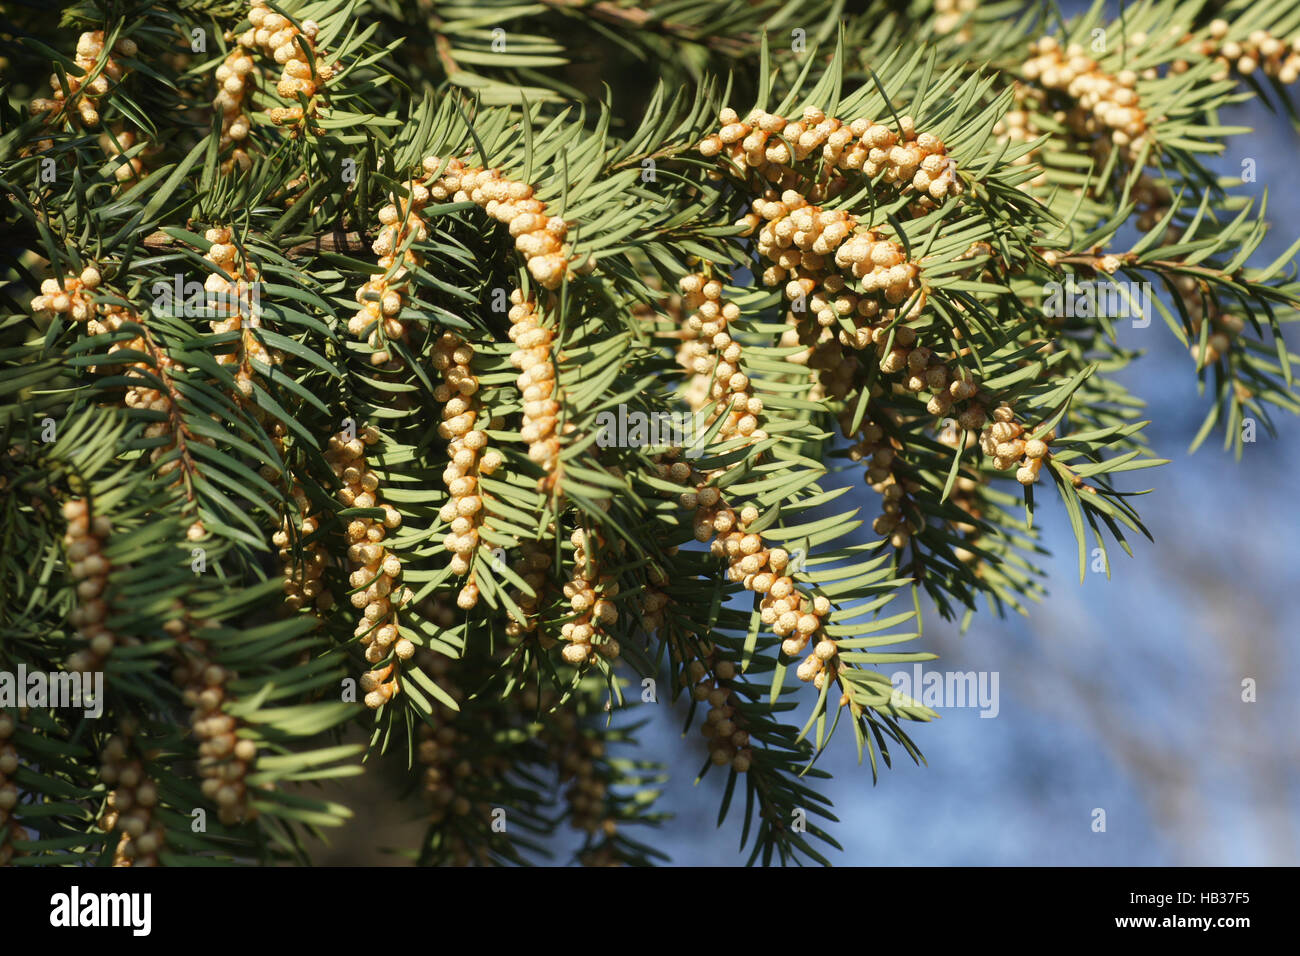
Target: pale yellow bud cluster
[(1278, 58), (284, 42), (465, 507), (965, 496), (1018, 126), (130, 806), (587, 793), (816, 254), (225, 759), (303, 576), (292, 191), (90, 46), (921, 369), (791, 616), (823, 353), (383, 296), (771, 145), (723, 727), (950, 14), (1152, 199), (1106, 104), (898, 519), (537, 384), (821, 283), (590, 595), (88, 569), (881, 265), (800, 240), (122, 139), (538, 238), (72, 299), (377, 591), (9, 790), (1224, 326), (230, 296), (233, 77), (655, 601), (712, 354), (1007, 442), (445, 754), (533, 566)]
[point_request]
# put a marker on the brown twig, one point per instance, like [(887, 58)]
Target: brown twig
[(337, 241)]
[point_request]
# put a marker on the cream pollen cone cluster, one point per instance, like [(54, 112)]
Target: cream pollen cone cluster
[(378, 592), (791, 616), (536, 382), (233, 78), (225, 759), (231, 287), (655, 602), (897, 519), (817, 255), (129, 172), (950, 14), (1260, 49), (90, 46), (130, 806), (303, 576), (88, 567), (533, 566), (74, 299), (1224, 327), (714, 356), (283, 41), (464, 509), (723, 727), (1006, 441), (383, 297), (770, 145), (590, 595), (1018, 126), (538, 237), (147, 396), (9, 790), (1106, 103)]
